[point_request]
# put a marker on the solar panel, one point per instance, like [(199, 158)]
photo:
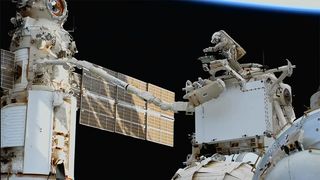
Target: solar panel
[(128, 97), (7, 69), (160, 129), (97, 112), (164, 95), (130, 121), (108, 107), (96, 85), (160, 123)]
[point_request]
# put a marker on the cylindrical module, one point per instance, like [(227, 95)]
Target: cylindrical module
[(301, 165), (39, 114), (29, 131), (315, 100)]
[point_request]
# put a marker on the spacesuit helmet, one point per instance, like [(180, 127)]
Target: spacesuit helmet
[(215, 37)]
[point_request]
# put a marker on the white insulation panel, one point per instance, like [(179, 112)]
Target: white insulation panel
[(37, 154), (72, 136), (13, 125), (234, 114)]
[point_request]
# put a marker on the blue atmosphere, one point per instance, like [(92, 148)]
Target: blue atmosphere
[(263, 6)]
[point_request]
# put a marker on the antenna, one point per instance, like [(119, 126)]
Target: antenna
[(263, 61), (73, 23)]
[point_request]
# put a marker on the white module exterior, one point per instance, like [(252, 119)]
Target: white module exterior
[(37, 149), (72, 130), (234, 113), (13, 119), (300, 165), (211, 168), (21, 60)]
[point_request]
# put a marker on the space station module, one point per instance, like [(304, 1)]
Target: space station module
[(246, 128)]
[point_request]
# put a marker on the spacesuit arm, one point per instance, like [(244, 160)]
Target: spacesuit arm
[(222, 44)]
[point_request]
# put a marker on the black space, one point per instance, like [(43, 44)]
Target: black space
[(158, 42)]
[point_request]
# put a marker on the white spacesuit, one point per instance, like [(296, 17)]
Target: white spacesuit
[(222, 45), (224, 48)]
